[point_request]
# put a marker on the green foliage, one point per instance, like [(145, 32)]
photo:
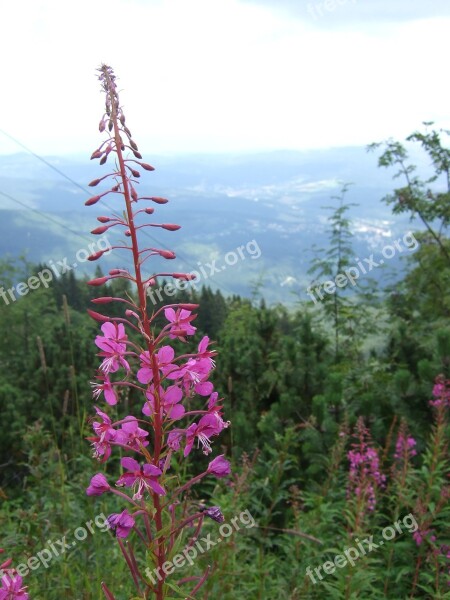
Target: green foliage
[(293, 384)]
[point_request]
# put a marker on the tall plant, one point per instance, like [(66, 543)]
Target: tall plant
[(178, 408)]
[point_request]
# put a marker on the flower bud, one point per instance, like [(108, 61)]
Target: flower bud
[(131, 313), (219, 467), (133, 144), (214, 513), (6, 564), (118, 272), (102, 300), (183, 276), (101, 126), (170, 226), (98, 281), (100, 230), (96, 255), (167, 254), (97, 316), (95, 182), (104, 219), (96, 154), (149, 210), (134, 194), (157, 200), (147, 167), (92, 200), (137, 154)]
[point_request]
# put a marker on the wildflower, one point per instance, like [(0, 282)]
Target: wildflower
[(122, 523), (193, 375), (169, 402), (219, 467), (419, 536), (441, 391), (174, 440), (404, 447), (164, 378), (364, 475), (164, 358), (106, 387), (131, 434), (113, 347), (98, 486), (142, 478), (12, 588), (214, 513), (105, 435), (181, 323), (208, 426), (104, 430)]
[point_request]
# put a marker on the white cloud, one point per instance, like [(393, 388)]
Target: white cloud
[(215, 75)]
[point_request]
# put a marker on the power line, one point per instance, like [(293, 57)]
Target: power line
[(85, 190)]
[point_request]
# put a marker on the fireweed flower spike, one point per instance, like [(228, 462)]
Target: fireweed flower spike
[(364, 477), (138, 358)]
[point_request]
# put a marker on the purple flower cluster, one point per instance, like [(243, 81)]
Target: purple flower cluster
[(364, 475), (404, 447), (441, 392)]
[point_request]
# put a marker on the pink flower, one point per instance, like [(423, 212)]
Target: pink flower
[(404, 447), (214, 513), (122, 523), (105, 435), (169, 402), (419, 536), (193, 375), (142, 478), (219, 467), (164, 358), (106, 387), (441, 391), (12, 588), (181, 323), (98, 485), (364, 475), (203, 351), (174, 440), (113, 347), (131, 434), (104, 430), (209, 425)]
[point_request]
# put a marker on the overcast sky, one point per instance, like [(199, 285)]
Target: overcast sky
[(223, 75)]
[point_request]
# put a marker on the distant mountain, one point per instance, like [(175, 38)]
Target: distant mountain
[(269, 204)]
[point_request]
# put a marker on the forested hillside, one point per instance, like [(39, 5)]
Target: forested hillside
[(339, 423)]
